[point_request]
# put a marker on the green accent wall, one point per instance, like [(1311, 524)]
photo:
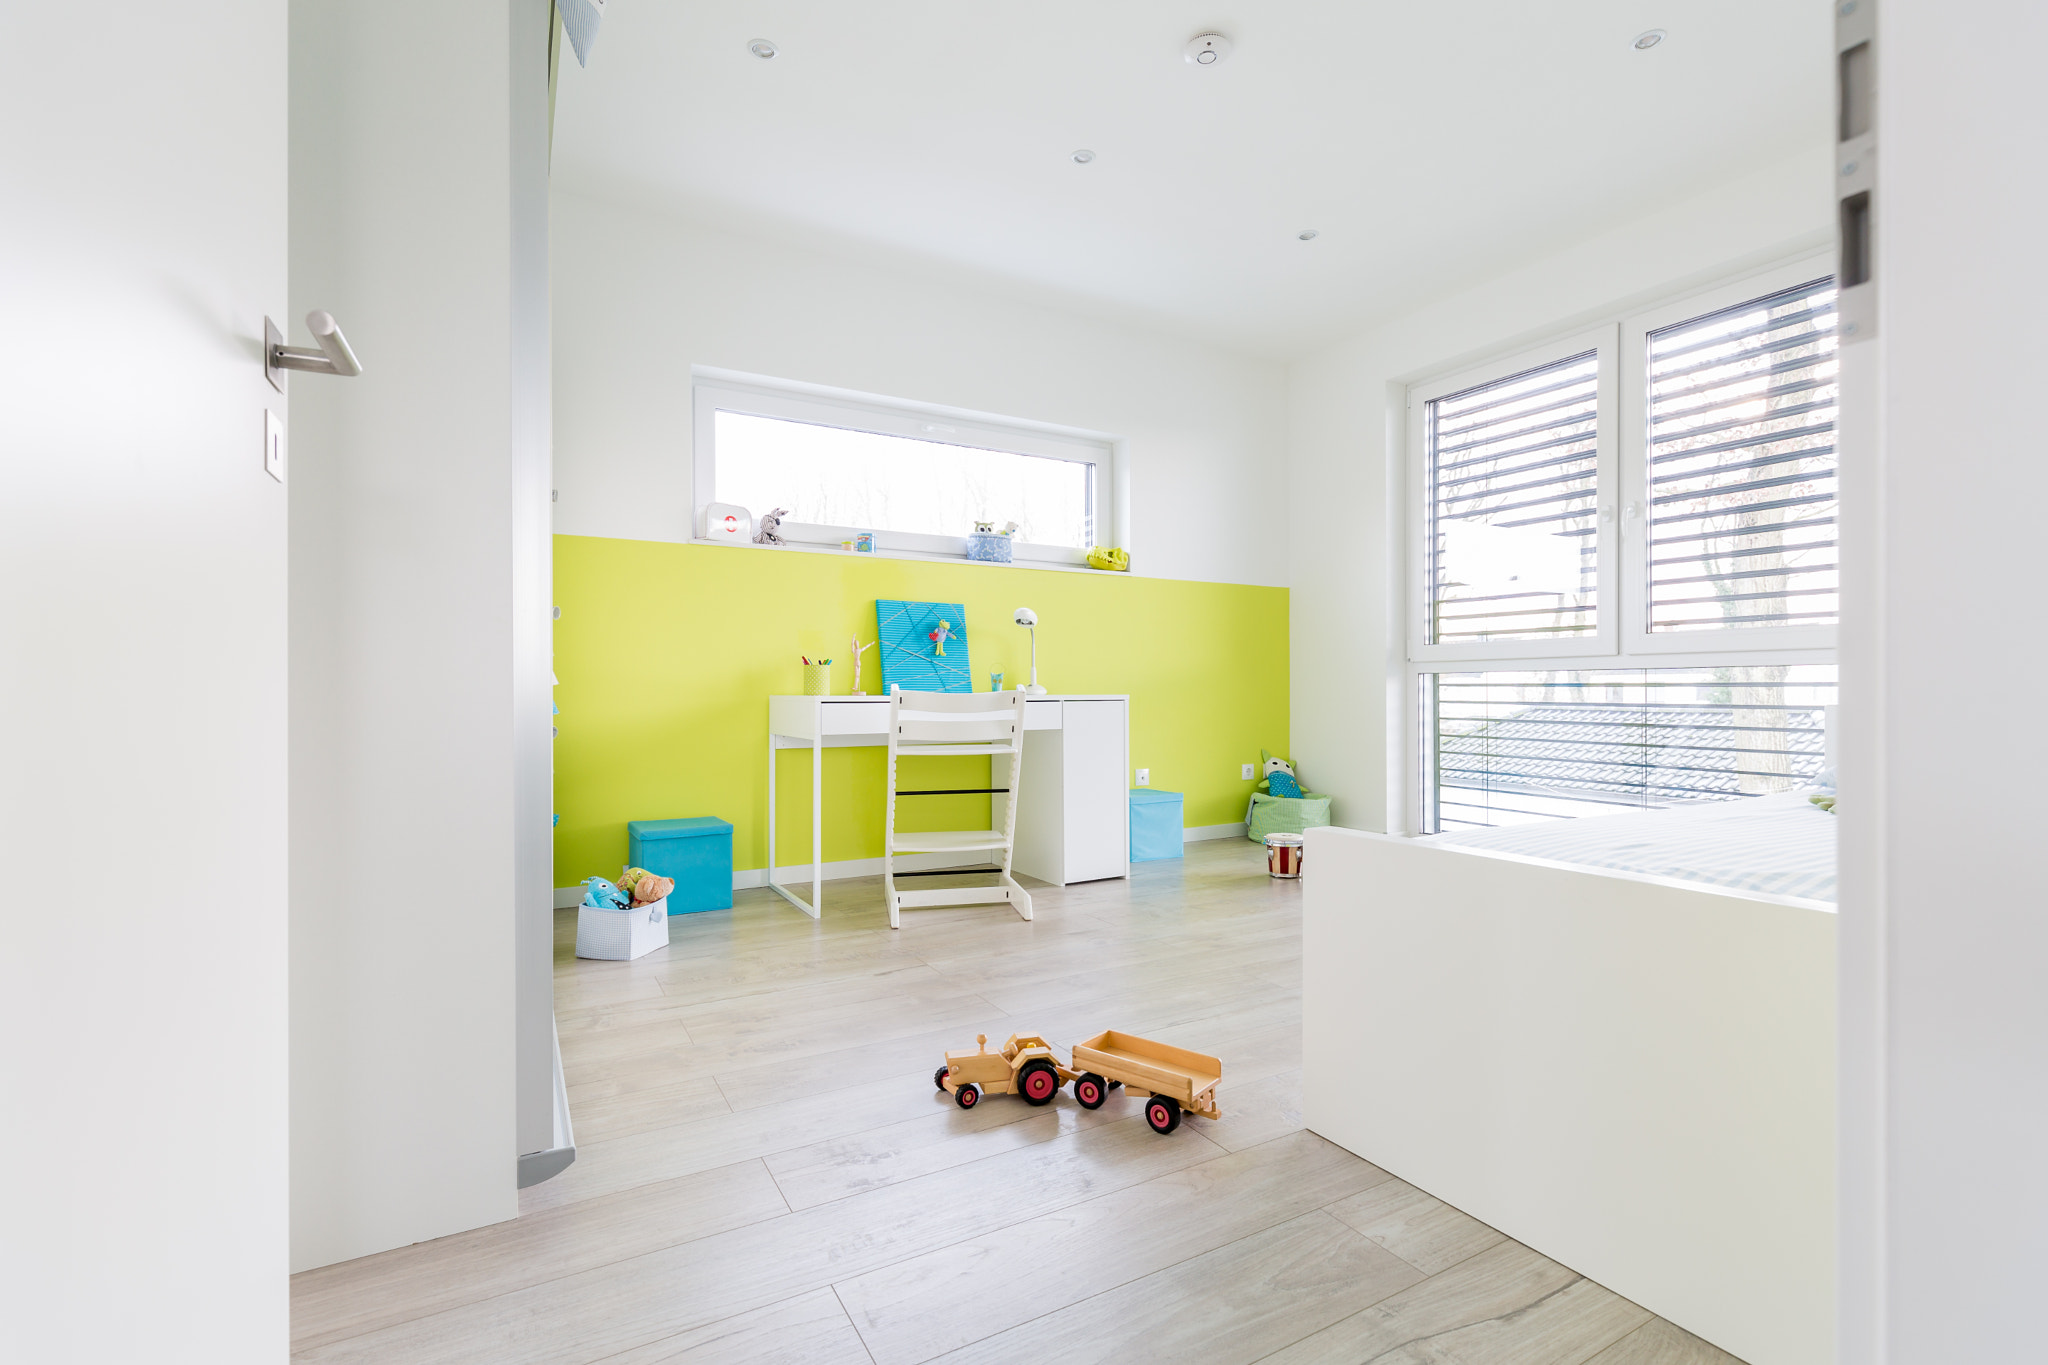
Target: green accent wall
[(667, 655)]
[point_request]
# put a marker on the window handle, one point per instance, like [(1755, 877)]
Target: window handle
[(1632, 510), (1606, 514)]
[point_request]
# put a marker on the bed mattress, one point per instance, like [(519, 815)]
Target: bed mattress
[(1780, 845)]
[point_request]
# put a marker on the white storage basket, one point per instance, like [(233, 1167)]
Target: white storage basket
[(621, 935)]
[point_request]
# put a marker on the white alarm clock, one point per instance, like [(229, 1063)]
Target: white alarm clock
[(727, 521)]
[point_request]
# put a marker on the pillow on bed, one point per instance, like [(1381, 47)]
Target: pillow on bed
[(1826, 781)]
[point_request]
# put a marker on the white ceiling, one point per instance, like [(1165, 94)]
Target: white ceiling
[(1430, 142)]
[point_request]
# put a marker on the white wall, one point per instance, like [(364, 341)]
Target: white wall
[(405, 583), (641, 296), (142, 672), (1345, 436), (1945, 939)]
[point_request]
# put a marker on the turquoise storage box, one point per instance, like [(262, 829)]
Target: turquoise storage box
[(696, 852), (1155, 825)]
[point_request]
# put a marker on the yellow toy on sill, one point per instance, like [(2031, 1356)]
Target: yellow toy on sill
[(1103, 557)]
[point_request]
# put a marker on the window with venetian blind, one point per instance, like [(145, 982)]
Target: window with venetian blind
[(1704, 677)]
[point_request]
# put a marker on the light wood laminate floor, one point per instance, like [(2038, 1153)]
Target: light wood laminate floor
[(765, 1172)]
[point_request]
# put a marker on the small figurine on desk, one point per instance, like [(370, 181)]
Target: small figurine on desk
[(939, 636), (858, 650), (769, 521)]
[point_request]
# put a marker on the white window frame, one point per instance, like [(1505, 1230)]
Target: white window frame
[(719, 391), (1624, 639)]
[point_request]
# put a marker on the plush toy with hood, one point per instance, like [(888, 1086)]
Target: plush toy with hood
[(1277, 776), (644, 886)]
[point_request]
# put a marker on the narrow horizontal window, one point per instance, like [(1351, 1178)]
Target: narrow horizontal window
[(1514, 476), (1504, 748), (1741, 515), (838, 477)]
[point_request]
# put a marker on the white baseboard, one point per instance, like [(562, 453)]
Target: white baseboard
[(1201, 833), (568, 897)]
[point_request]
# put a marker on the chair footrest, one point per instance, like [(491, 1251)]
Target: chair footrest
[(945, 841)]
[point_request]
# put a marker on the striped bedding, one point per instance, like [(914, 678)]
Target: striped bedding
[(1779, 845)]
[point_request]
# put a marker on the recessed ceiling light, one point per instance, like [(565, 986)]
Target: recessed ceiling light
[(1083, 156), (1648, 39), (1307, 235), (1206, 49), (762, 48)]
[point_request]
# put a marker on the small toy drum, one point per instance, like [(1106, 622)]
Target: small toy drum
[(1283, 855)]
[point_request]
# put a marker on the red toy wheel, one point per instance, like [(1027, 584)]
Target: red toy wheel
[(939, 1077), (1038, 1082), (1090, 1090), (1163, 1113), (967, 1096)]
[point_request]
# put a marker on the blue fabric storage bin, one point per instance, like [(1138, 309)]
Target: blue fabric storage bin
[(1155, 825), (696, 852)]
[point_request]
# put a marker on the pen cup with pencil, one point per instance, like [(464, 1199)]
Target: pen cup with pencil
[(818, 678)]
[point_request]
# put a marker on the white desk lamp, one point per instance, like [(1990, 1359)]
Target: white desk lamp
[(1029, 619)]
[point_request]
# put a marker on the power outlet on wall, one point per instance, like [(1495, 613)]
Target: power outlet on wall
[(1244, 772), (1144, 777)]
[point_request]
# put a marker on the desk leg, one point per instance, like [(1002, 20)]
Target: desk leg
[(818, 816), (777, 887)]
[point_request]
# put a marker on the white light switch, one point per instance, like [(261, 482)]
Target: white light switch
[(273, 445), (1144, 777), (1245, 773)]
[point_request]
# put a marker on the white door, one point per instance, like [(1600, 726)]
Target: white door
[(142, 677)]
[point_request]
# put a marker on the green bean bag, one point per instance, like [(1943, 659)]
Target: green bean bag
[(1285, 815)]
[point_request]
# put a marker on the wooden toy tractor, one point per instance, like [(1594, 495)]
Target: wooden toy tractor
[(1025, 1066), (1169, 1079)]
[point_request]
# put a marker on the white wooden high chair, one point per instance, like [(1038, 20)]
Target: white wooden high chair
[(949, 725)]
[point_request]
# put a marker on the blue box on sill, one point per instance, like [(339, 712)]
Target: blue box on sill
[(696, 852), (1155, 825)]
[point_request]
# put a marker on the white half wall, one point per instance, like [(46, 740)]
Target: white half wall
[(1945, 940), (1346, 435), (142, 672), (408, 577), (641, 295)]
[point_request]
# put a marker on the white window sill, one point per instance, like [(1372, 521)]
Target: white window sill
[(1049, 565)]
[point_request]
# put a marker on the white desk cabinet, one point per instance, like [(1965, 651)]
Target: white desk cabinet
[(1073, 816)]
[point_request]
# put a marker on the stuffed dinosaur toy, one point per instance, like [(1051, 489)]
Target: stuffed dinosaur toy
[(602, 895)]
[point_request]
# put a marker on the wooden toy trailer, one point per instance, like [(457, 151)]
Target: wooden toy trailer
[(1171, 1078)]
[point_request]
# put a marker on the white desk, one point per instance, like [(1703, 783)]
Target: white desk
[(1073, 810)]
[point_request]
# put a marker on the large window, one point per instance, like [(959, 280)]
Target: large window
[(918, 480), (1622, 586)]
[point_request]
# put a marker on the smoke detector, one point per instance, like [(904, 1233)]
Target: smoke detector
[(1206, 49)]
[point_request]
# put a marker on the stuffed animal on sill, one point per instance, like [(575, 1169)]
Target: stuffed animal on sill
[(769, 521), (602, 895), (644, 886)]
